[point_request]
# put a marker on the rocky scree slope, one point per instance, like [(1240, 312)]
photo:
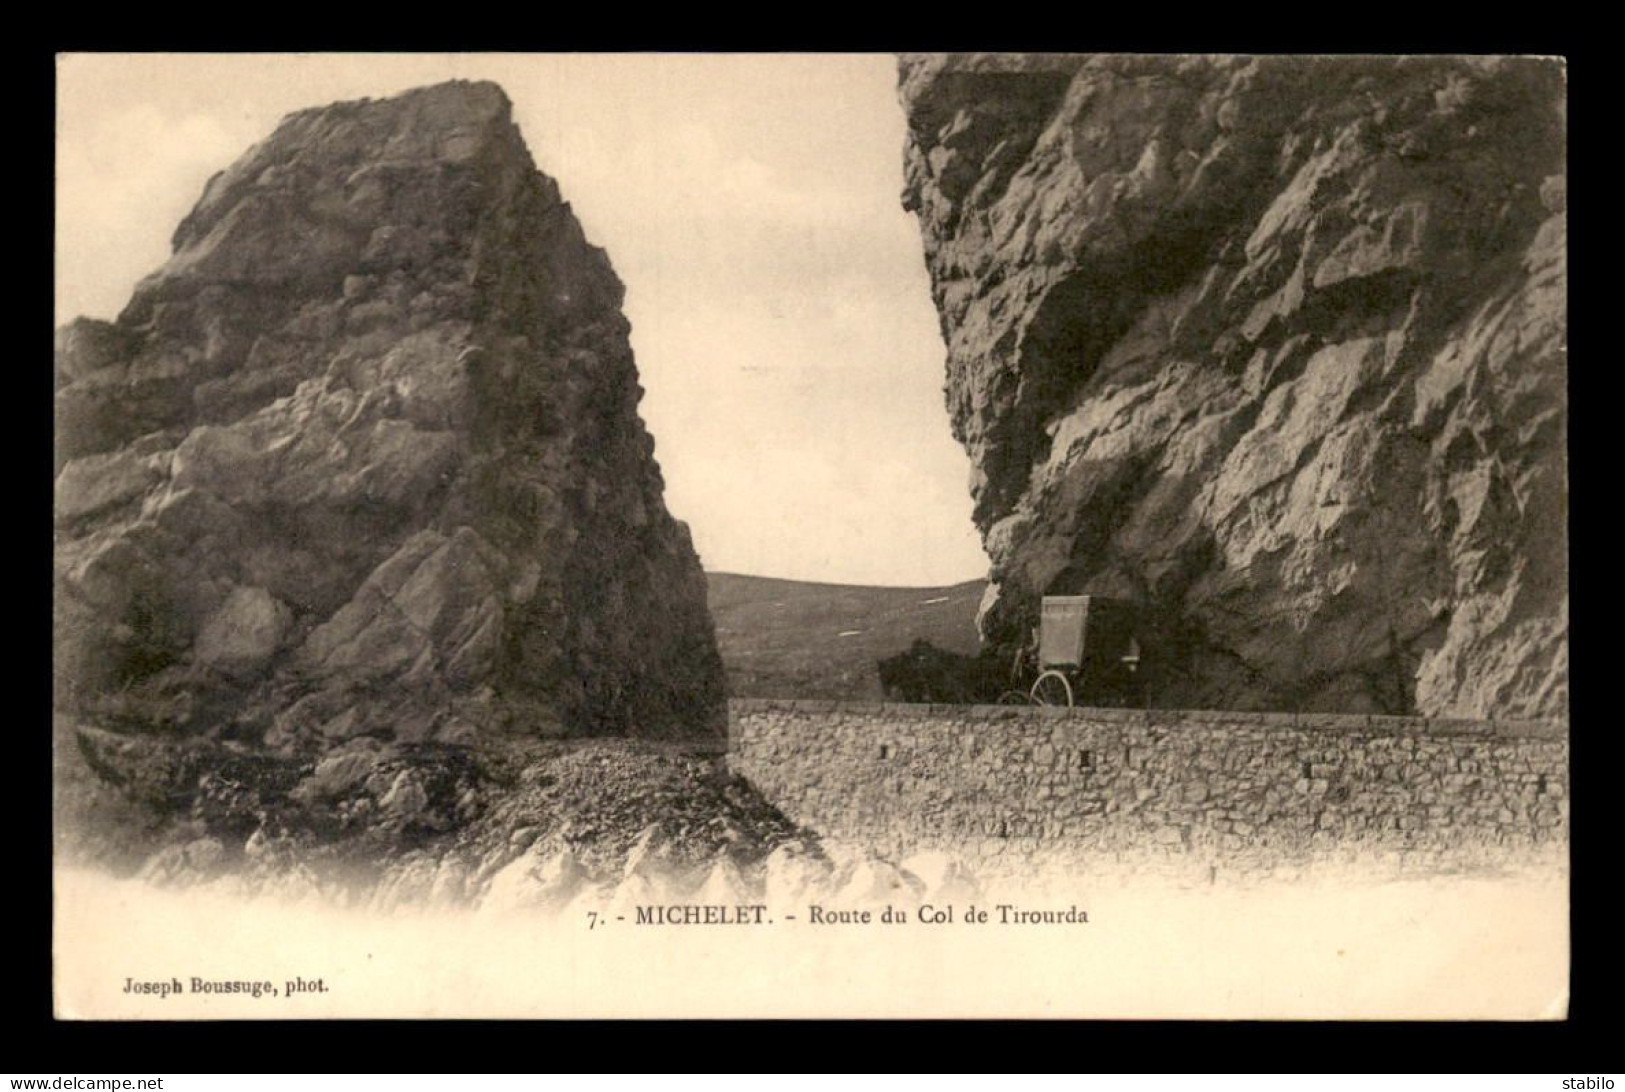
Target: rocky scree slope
[(363, 460), (515, 823), (1274, 347)]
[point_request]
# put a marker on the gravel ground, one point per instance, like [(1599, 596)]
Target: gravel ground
[(384, 822)]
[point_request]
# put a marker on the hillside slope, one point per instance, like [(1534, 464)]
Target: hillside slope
[(791, 639)]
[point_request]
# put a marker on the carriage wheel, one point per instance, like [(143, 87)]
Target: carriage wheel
[(1014, 697), (1052, 688)]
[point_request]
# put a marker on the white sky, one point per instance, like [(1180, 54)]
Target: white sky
[(780, 309)]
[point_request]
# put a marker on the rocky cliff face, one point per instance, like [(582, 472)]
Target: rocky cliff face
[(364, 458), (1274, 347)]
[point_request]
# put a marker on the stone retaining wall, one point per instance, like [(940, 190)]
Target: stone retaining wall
[(1008, 784)]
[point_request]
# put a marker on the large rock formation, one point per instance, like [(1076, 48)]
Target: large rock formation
[(1274, 346), (364, 458)]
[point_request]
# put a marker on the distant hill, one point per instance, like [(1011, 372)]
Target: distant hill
[(792, 639)]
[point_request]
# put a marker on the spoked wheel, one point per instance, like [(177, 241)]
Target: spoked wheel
[(1052, 688), (1014, 697)]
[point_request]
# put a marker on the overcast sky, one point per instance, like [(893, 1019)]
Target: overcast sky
[(780, 309)]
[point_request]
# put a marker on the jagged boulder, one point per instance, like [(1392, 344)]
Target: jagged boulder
[(364, 459), (1274, 347)]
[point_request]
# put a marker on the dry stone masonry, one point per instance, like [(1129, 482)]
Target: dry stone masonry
[(1002, 788)]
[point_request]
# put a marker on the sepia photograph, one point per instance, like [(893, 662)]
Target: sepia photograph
[(945, 535)]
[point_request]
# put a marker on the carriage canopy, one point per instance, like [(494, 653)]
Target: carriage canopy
[(1082, 631)]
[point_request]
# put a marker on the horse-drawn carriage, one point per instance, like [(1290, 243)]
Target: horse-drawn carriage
[(1087, 653)]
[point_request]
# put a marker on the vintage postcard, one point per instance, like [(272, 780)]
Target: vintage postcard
[(725, 535)]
